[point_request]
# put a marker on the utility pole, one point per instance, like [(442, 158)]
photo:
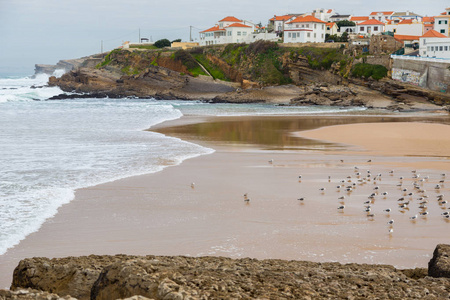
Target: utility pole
[(139, 36), (190, 33), (101, 47)]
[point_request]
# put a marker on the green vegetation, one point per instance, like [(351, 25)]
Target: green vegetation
[(162, 43), (366, 70), (322, 58), (187, 60), (148, 47), (214, 70), (345, 23), (176, 41), (336, 38), (108, 58)]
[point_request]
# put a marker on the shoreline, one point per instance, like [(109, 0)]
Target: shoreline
[(98, 225)]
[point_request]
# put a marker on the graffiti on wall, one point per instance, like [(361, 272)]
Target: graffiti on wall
[(440, 86), (406, 76)]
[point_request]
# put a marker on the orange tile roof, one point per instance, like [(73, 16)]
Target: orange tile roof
[(306, 19), (331, 24), (428, 19), (239, 25), (329, 11), (215, 28), (443, 16), (434, 33), (359, 18), (406, 21), (386, 13), (230, 19), (371, 22), (402, 37), (429, 25), (281, 18)]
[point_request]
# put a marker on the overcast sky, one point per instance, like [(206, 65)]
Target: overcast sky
[(45, 31)]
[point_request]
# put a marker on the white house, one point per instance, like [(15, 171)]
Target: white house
[(442, 24), (277, 23), (331, 28), (306, 29), (370, 27), (228, 31), (338, 17), (405, 15), (434, 44), (323, 14), (406, 27), (381, 16)]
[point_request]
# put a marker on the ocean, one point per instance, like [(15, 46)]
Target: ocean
[(51, 148)]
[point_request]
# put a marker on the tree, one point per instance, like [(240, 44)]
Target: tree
[(176, 41), (345, 23), (344, 37), (162, 43)]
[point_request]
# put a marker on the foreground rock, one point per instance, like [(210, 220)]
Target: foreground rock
[(439, 265), (176, 277), (30, 294)]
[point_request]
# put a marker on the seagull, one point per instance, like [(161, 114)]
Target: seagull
[(300, 177), (437, 187), (391, 230), (390, 222), (301, 199), (247, 200), (387, 210), (341, 198), (271, 161), (445, 213), (367, 209), (424, 213), (192, 185), (322, 189), (341, 207), (413, 217)]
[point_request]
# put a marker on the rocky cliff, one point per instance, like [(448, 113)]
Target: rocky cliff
[(177, 277)]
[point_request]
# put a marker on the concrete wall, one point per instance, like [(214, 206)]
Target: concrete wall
[(316, 45), (423, 72)]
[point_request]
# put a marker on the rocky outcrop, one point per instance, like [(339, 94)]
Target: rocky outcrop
[(68, 64), (331, 95), (177, 277), (30, 294), (439, 265), (157, 82)]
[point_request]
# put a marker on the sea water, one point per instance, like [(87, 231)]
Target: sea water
[(48, 149)]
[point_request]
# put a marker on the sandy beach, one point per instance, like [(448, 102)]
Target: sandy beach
[(162, 214)]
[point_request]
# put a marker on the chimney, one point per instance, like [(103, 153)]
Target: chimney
[(407, 12)]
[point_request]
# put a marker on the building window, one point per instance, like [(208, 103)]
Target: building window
[(441, 48), (375, 28), (314, 35), (432, 48), (298, 34), (424, 41), (442, 30), (361, 29), (428, 48), (296, 25), (308, 34), (395, 30), (289, 34), (445, 22), (315, 26), (323, 26), (440, 21), (238, 33), (244, 33), (445, 48), (229, 33)]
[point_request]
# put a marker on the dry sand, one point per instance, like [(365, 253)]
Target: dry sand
[(161, 214)]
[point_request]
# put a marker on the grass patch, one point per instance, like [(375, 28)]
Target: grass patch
[(108, 58), (366, 70), (215, 71), (148, 47), (321, 58), (189, 61)]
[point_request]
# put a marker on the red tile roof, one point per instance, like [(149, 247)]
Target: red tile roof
[(406, 21), (371, 22), (428, 19), (402, 37), (386, 13), (329, 11), (281, 18), (230, 19), (215, 28), (434, 33), (359, 19), (239, 25), (306, 19), (443, 16), (331, 24)]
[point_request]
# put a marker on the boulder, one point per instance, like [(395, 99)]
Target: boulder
[(30, 294), (439, 265)]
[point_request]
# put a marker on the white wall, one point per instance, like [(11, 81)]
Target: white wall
[(369, 29), (406, 29), (435, 47), (443, 27), (317, 34)]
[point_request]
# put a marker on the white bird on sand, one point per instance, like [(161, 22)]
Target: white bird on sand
[(192, 185), (341, 207), (413, 217), (391, 230)]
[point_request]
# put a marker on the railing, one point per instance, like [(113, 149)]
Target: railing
[(421, 58)]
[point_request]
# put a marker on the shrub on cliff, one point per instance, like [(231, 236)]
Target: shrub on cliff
[(191, 64), (259, 47), (367, 70), (162, 43)]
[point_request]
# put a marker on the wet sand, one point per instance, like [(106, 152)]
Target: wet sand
[(162, 214)]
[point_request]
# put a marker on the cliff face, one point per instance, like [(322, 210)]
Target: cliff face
[(176, 277)]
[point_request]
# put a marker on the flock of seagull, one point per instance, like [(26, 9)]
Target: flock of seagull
[(415, 195)]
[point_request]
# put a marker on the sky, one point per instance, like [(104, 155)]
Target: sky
[(45, 31)]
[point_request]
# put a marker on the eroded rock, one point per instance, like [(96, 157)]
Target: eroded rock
[(439, 265)]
